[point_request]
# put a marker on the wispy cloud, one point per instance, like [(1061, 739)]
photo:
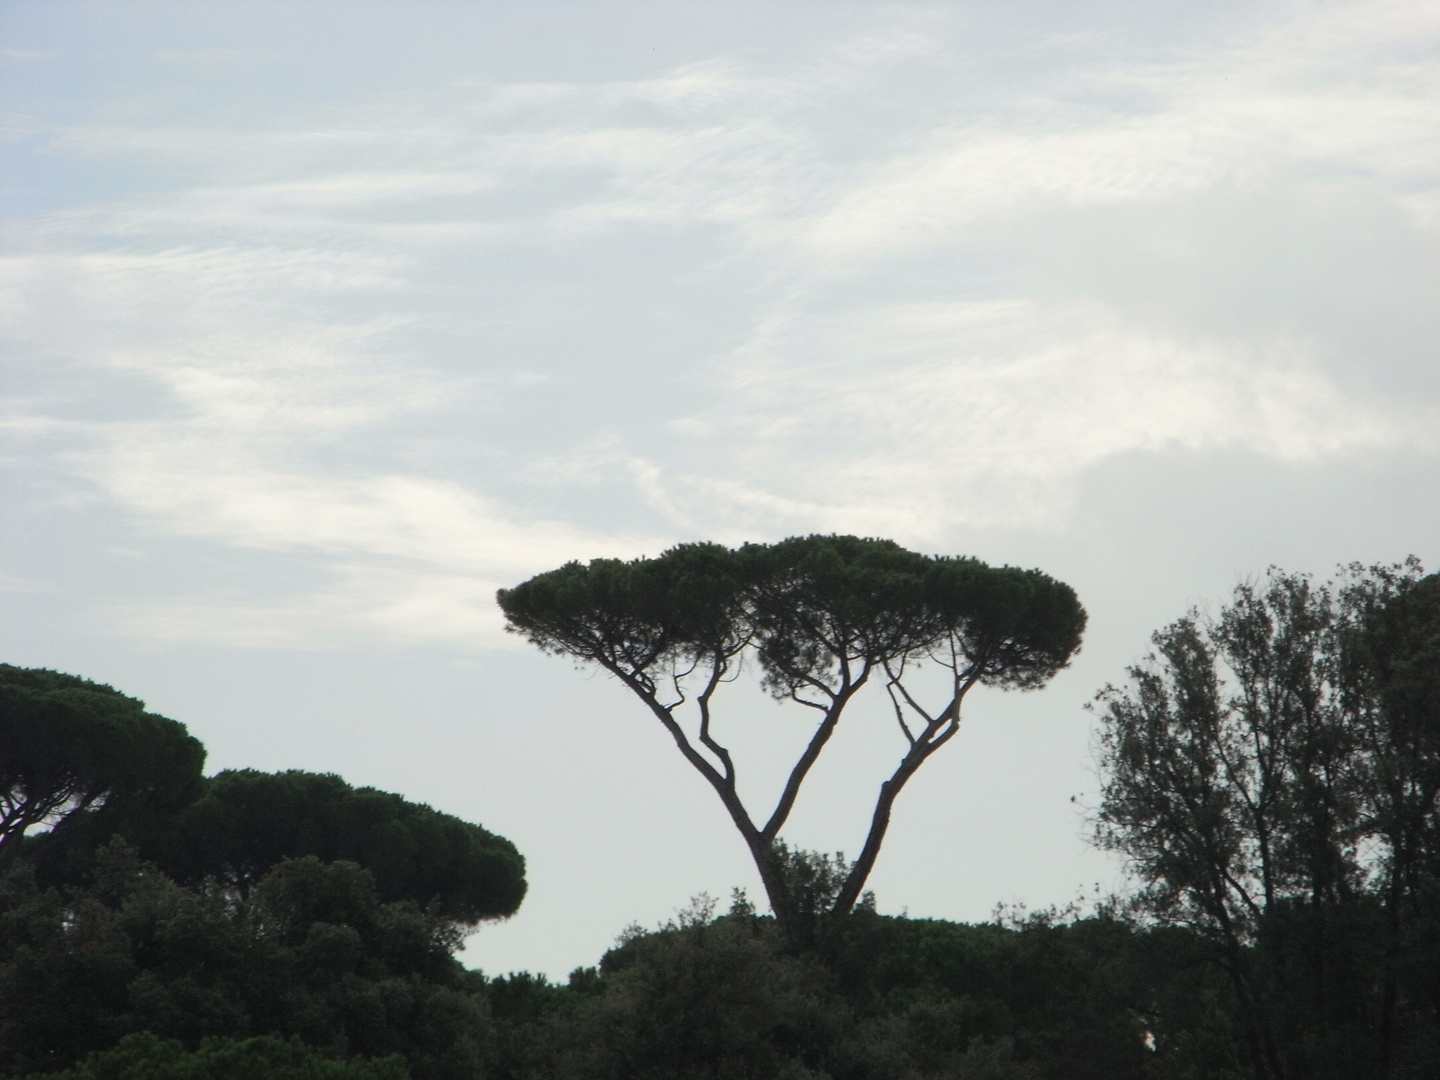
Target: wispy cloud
[(279, 306), (919, 418), (253, 380), (364, 603), (1340, 87)]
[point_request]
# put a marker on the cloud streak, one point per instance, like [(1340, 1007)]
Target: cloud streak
[(886, 350), (990, 414)]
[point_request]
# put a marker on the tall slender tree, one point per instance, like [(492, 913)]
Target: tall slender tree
[(822, 617), (1272, 775), (1390, 681)]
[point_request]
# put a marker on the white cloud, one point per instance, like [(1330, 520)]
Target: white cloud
[(366, 601), (252, 375), (277, 300), (207, 487), (413, 558), (1317, 92), (921, 417), (719, 142)]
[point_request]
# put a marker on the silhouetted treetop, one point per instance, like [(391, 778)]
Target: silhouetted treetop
[(70, 746), (248, 821), (808, 605), (819, 616)]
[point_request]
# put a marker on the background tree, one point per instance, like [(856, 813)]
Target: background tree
[(69, 746), (823, 616), (1391, 683), (244, 822), (288, 904), (1271, 774), (247, 821)]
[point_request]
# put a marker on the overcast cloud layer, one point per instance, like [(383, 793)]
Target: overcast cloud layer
[(325, 321)]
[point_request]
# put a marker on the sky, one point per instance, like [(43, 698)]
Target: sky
[(323, 321)]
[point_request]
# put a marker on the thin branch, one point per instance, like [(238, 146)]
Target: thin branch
[(893, 680), (899, 713), (680, 697), (723, 785), (1243, 892), (940, 730), (812, 752), (818, 684), (717, 673), (914, 705), (795, 697)]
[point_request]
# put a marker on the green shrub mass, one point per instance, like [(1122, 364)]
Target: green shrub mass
[(146, 1056), (311, 954), (136, 976)]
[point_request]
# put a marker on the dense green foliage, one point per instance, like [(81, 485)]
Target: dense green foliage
[(882, 999), (313, 956), (246, 822), (312, 953), (71, 747), (820, 616), (143, 1056)]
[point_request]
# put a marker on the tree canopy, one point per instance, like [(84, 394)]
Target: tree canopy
[(86, 762), (248, 821), (69, 746), (821, 616)]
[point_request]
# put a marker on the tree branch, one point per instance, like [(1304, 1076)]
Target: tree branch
[(937, 733), (899, 713), (724, 785), (717, 673), (812, 752)]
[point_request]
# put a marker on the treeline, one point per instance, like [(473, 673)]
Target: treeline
[(313, 976), (1272, 775)]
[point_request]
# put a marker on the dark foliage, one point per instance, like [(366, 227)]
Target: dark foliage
[(84, 762), (892, 999), (71, 747), (1273, 775), (243, 906), (143, 1056), (312, 954), (247, 822)]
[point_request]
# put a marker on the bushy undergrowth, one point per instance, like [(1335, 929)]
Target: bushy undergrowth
[(134, 977), (145, 1056), (135, 972), (311, 954), (881, 999)]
